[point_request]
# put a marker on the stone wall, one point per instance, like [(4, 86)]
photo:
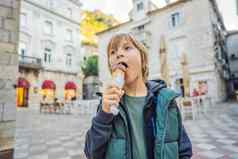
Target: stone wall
[(9, 20)]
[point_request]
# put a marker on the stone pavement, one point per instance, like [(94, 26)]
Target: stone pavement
[(61, 136), (51, 136), (215, 135)]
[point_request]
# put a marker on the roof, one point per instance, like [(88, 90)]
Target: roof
[(232, 32), (149, 13), (114, 27), (216, 10), (172, 4), (167, 6), (76, 2)]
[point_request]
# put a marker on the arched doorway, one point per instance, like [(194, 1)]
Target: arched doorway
[(22, 92), (70, 90), (48, 89)]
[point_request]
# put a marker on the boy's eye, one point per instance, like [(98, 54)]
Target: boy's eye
[(127, 48), (112, 52)]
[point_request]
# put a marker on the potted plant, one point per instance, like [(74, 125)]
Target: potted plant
[(89, 68)]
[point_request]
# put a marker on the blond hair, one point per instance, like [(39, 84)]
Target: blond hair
[(115, 43)]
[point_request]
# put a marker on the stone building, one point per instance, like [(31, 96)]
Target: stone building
[(232, 50), (49, 50), (9, 20), (193, 27)]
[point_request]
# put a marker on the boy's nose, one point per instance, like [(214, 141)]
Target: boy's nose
[(120, 54)]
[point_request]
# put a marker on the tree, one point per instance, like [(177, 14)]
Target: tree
[(90, 66), (93, 22)]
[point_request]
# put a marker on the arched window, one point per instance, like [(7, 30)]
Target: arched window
[(48, 48), (48, 28), (69, 52), (68, 59), (140, 6), (47, 55)]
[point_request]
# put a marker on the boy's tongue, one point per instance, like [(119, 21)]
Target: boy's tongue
[(121, 65)]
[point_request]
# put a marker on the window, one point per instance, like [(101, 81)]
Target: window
[(141, 28), (48, 28), (175, 19), (69, 59), (47, 55), (23, 52), (145, 43), (70, 12), (50, 3), (140, 6), (22, 49), (237, 7), (69, 35), (23, 20)]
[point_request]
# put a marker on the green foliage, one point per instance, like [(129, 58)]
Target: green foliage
[(94, 22), (84, 42), (90, 66)]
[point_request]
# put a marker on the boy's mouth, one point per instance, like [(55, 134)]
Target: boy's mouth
[(124, 64)]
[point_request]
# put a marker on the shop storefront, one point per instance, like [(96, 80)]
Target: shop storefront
[(70, 91), (22, 92), (48, 89)]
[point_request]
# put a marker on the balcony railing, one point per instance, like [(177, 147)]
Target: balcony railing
[(30, 62)]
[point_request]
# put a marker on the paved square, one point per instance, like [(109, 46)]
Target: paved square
[(62, 136)]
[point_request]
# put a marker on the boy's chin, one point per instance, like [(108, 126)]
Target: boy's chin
[(131, 80)]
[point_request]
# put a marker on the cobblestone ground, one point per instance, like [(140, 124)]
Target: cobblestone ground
[(52, 136), (215, 135), (61, 136)]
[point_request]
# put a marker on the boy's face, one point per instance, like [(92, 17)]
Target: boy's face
[(127, 53)]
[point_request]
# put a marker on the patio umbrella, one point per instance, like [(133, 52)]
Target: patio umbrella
[(185, 74), (164, 68)]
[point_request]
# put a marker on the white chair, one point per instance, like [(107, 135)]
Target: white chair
[(205, 103), (67, 107), (188, 107)]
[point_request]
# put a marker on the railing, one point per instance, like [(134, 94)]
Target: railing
[(32, 62), (195, 107)]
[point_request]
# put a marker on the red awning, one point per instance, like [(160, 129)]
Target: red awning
[(23, 83), (48, 84), (70, 85)]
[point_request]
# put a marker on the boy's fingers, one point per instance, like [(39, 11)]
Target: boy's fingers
[(113, 91), (113, 97), (111, 102), (112, 84), (122, 93)]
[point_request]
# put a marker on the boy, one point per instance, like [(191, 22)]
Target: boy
[(149, 124)]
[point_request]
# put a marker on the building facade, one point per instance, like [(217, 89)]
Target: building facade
[(191, 27), (49, 49), (232, 49), (9, 23)]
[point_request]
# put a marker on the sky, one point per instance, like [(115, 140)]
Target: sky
[(120, 9), (228, 8)]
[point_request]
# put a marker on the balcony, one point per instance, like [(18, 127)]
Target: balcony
[(30, 62)]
